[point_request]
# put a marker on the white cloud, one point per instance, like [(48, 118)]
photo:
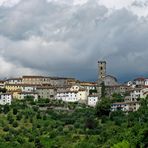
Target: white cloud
[(70, 2), (117, 4), (8, 3), (8, 69), (138, 7)]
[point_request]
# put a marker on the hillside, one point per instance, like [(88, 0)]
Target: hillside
[(56, 124)]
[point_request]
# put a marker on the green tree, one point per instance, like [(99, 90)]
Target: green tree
[(90, 123), (19, 117), (6, 109), (15, 124), (103, 93), (103, 107), (123, 144), (15, 111), (6, 129)]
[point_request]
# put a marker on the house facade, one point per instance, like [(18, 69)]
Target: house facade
[(139, 81), (13, 81), (67, 96), (38, 80), (24, 95), (125, 106), (5, 98), (72, 96), (135, 94), (93, 100), (46, 92), (13, 87)]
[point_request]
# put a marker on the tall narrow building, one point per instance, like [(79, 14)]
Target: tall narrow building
[(102, 69)]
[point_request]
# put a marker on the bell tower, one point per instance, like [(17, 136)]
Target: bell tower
[(102, 69)]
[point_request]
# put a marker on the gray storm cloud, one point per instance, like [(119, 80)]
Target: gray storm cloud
[(60, 39)]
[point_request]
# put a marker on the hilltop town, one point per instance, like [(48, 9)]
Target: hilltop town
[(127, 95), (58, 112)]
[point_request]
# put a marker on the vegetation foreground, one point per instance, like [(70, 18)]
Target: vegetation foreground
[(56, 124)]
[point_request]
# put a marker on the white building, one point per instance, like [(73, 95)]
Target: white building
[(92, 100), (5, 99), (14, 81), (24, 95), (88, 86), (67, 96), (144, 93), (139, 81), (75, 87), (129, 83), (135, 94), (82, 96), (125, 106), (72, 96), (146, 82), (28, 88)]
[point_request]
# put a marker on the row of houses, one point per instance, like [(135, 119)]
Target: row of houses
[(66, 89), (130, 106), (39, 80), (72, 90), (136, 90), (141, 81)]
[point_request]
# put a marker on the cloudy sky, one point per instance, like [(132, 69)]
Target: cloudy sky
[(68, 37)]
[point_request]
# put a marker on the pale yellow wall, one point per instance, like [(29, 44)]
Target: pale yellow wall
[(82, 95), (12, 87)]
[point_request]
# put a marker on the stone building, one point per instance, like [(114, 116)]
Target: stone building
[(102, 69), (46, 92), (45, 80), (39, 80), (117, 89), (60, 81), (108, 80)]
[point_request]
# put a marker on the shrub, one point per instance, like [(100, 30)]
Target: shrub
[(20, 140), (44, 117), (10, 119), (6, 129), (14, 111), (6, 109), (38, 126), (19, 117), (31, 139), (35, 108), (7, 137), (38, 116), (15, 124)]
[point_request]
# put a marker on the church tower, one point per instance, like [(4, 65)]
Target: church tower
[(102, 69)]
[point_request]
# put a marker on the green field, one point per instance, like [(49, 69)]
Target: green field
[(55, 124)]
